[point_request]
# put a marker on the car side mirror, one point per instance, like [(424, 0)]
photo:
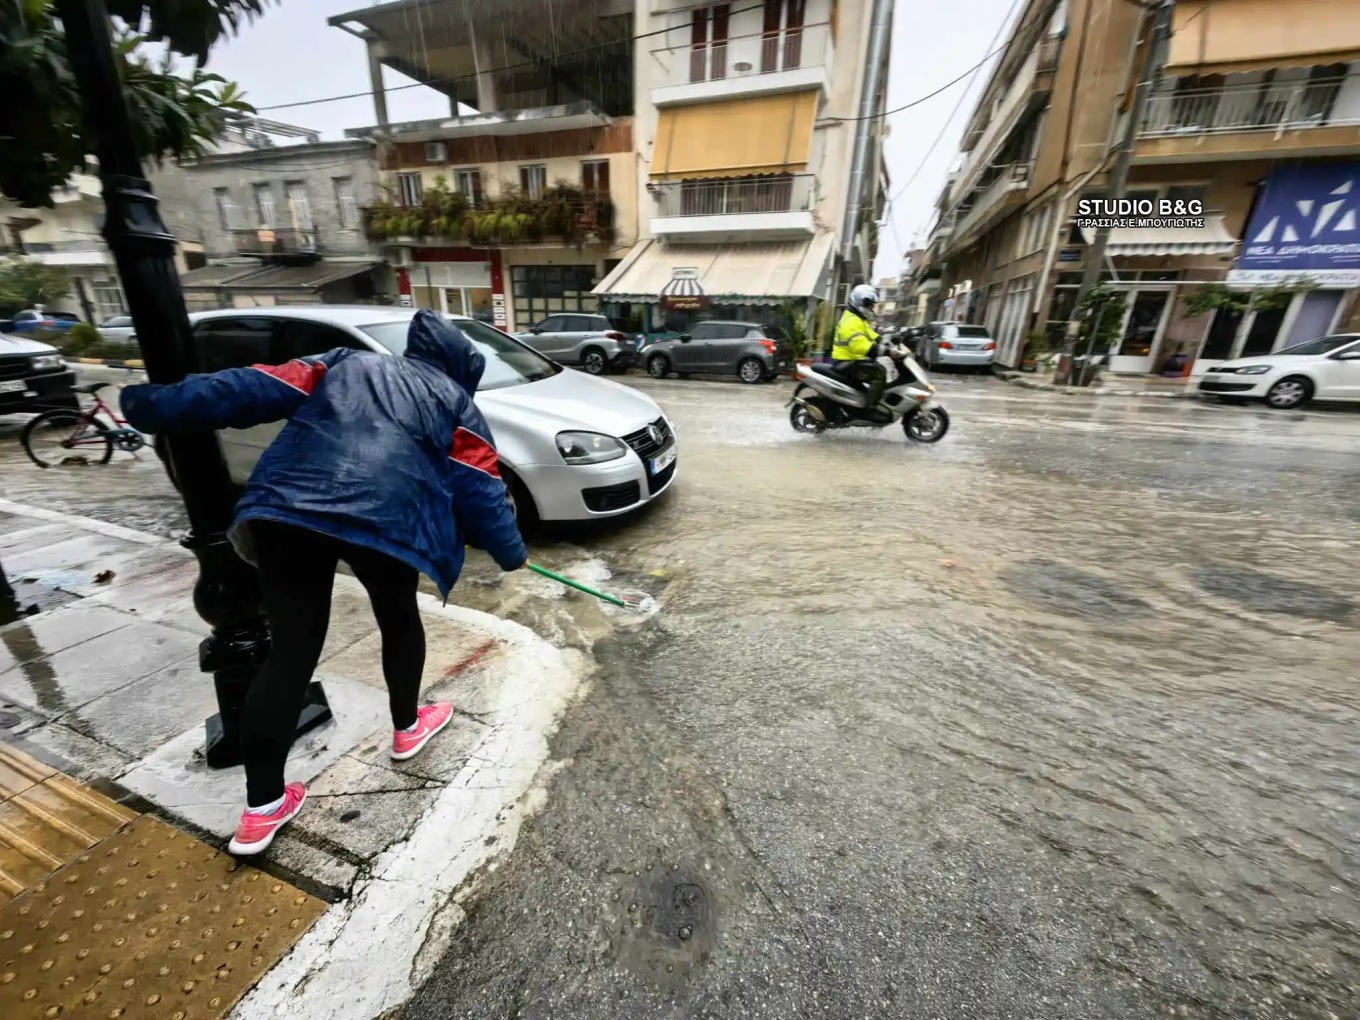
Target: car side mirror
[(684, 338)]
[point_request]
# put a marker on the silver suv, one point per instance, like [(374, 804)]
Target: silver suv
[(588, 341)]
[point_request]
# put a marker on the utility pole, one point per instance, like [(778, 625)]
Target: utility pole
[(1119, 175), (226, 594)]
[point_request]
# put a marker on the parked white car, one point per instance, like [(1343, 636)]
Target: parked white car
[(118, 329), (956, 344), (1324, 369), (572, 447)]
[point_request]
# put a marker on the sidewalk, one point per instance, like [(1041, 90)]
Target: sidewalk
[(1110, 385), (104, 685)]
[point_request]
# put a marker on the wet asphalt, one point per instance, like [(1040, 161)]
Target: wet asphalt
[(1057, 718)]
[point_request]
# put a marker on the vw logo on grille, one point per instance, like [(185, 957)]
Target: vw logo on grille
[(654, 434)]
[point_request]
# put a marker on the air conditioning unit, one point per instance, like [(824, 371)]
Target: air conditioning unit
[(399, 258), (436, 152)]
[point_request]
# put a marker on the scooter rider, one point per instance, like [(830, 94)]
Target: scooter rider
[(857, 346)]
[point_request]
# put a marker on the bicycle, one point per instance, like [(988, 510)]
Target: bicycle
[(61, 437)]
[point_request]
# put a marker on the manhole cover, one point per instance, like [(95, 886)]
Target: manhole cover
[(672, 921)]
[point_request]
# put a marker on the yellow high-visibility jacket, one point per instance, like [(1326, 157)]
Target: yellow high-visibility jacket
[(854, 339)]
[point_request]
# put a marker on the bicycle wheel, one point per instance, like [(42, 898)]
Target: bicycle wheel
[(66, 438)]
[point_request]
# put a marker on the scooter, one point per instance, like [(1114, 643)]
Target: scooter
[(824, 400)]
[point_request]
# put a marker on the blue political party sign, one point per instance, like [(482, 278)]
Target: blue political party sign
[(1306, 226)]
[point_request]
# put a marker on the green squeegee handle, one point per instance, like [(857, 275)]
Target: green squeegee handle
[(615, 600)]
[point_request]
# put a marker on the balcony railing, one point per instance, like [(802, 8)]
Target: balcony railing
[(744, 55), (48, 247), (739, 197), (1007, 180), (560, 215), (268, 241), (1263, 107)]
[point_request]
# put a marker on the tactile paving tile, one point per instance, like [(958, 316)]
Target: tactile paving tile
[(149, 923), (48, 823)]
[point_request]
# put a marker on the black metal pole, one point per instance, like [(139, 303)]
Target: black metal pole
[(226, 595)]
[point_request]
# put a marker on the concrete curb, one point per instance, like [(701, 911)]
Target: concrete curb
[(108, 363), (1016, 379)]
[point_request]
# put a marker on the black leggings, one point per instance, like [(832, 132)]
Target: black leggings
[(297, 572)]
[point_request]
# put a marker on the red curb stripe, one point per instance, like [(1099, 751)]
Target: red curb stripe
[(469, 660)]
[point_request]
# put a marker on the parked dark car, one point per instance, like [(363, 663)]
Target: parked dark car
[(33, 377), (587, 341), (752, 352)]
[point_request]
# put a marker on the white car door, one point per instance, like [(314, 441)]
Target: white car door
[(1338, 374)]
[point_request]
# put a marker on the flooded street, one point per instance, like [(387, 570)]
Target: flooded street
[(1058, 718)]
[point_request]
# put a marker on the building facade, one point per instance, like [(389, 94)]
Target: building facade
[(278, 223), (745, 130), (1253, 112), (523, 199)]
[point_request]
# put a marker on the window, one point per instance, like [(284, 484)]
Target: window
[(595, 178), (299, 205), (264, 205), (234, 342), (1323, 345), (222, 199), (533, 180), (468, 183), (553, 324), (109, 300), (508, 362), (116, 322), (301, 338), (540, 291), (346, 208), (1188, 193), (708, 43), (409, 189), (972, 331)]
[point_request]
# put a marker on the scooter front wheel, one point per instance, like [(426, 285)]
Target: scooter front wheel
[(804, 421), (926, 426)]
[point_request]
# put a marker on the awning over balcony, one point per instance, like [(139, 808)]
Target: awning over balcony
[(1254, 35), (735, 138), (255, 277), (726, 273), (1212, 239)]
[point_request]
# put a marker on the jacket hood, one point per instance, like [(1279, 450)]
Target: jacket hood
[(439, 343)]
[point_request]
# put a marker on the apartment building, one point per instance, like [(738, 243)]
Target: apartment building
[(68, 236), (1254, 111), (278, 221), (745, 128), (521, 201)]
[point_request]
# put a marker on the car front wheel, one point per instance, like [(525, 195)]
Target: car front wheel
[(1290, 392)]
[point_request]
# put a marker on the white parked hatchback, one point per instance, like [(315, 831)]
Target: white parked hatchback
[(572, 447), (1324, 369)]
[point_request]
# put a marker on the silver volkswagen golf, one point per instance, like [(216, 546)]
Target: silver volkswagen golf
[(571, 447)]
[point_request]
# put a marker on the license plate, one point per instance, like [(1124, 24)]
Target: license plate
[(970, 347), (663, 460), (13, 387)]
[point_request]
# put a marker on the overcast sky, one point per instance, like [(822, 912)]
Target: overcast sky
[(291, 54)]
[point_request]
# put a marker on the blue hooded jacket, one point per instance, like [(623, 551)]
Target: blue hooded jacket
[(386, 453)]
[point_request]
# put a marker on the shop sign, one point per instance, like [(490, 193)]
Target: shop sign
[(684, 293), (1305, 228)]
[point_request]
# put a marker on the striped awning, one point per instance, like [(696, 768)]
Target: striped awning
[(1211, 239)]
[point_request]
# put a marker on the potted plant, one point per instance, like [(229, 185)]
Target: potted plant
[(1036, 345)]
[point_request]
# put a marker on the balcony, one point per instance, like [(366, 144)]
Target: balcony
[(749, 209), (278, 244), (1007, 188), (1246, 121), (744, 65), (83, 252), (562, 215)]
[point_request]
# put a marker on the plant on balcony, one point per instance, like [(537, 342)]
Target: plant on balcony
[(562, 212)]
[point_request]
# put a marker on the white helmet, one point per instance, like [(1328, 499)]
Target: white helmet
[(863, 300)]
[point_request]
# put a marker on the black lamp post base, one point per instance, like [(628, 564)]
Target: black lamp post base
[(224, 750)]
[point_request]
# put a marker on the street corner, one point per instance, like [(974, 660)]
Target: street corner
[(106, 911)]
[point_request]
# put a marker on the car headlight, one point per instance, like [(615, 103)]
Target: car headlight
[(589, 447), (47, 362), (1255, 370)]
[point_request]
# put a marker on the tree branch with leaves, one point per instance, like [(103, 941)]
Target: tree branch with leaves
[(175, 115)]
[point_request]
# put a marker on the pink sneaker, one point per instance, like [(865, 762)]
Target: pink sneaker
[(256, 832), (430, 719)]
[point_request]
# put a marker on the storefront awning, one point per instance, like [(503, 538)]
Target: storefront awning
[(754, 273), (1260, 35), (318, 274), (1211, 239)]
